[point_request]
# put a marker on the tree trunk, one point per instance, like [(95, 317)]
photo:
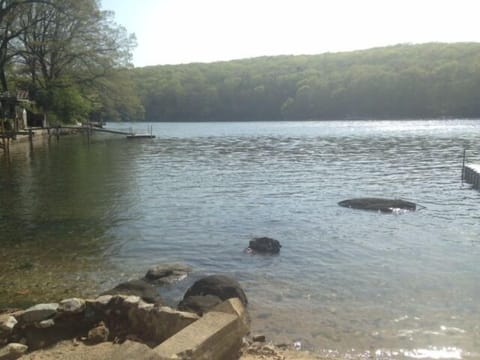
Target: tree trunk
[(3, 79)]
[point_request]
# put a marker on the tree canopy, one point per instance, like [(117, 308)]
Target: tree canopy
[(403, 81), (68, 54)]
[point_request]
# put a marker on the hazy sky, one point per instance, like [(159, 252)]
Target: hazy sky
[(183, 31)]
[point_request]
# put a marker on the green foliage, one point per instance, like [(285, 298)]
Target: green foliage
[(67, 104), (403, 81), (68, 54), (115, 98)]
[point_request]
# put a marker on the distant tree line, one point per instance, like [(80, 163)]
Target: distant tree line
[(74, 60), (404, 81), (70, 56)]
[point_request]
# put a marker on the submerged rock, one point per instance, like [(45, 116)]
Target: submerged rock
[(221, 286), (379, 204), (140, 288), (265, 245), (168, 273)]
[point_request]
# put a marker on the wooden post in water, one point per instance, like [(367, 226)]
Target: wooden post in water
[(5, 139), (89, 129), (3, 135), (463, 164)]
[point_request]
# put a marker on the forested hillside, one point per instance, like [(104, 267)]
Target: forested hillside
[(404, 81)]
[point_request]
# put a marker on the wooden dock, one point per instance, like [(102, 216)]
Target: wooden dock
[(140, 136), (6, 137), (471, 175), (128, 134)]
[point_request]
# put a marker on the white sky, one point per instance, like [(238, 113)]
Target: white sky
[(184, 31)]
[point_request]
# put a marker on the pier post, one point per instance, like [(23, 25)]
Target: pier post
[(30, 136), (89, 129), (5, 139), (472, 175)]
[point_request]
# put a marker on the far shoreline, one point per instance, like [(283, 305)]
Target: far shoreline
[(303, 120)]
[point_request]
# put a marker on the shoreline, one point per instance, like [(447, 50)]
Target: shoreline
[(252, 351), (108, 326), (131, 312), (131, 326), (37, 135)]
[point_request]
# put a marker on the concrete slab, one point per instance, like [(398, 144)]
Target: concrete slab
[(216, 336)]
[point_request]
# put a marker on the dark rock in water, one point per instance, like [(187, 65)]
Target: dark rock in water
[(265, 245), (221, 286), (199, 304), (378, 204), (139, 288)]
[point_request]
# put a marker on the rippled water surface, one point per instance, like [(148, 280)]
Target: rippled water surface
[(78, 217)]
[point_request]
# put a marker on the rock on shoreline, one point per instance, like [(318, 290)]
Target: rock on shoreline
[(145, 328)]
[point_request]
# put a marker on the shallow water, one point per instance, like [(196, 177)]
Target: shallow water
[(79, 217)]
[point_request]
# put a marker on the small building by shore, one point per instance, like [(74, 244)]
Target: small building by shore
[(18, 116), (18, 112)]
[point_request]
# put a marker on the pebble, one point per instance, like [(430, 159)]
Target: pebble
[(72, 306), (46, 324), (104, 299), (7, 323), (98, 334), (12, 351), (259, 338)]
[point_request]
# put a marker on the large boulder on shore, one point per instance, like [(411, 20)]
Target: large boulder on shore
[(220, 286), (199, 304), (379, 204), (140, 288), (265, 245)]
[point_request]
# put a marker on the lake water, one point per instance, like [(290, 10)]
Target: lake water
[(77, 217)]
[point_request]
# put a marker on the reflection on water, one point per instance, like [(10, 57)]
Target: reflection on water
[(77, 218)]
